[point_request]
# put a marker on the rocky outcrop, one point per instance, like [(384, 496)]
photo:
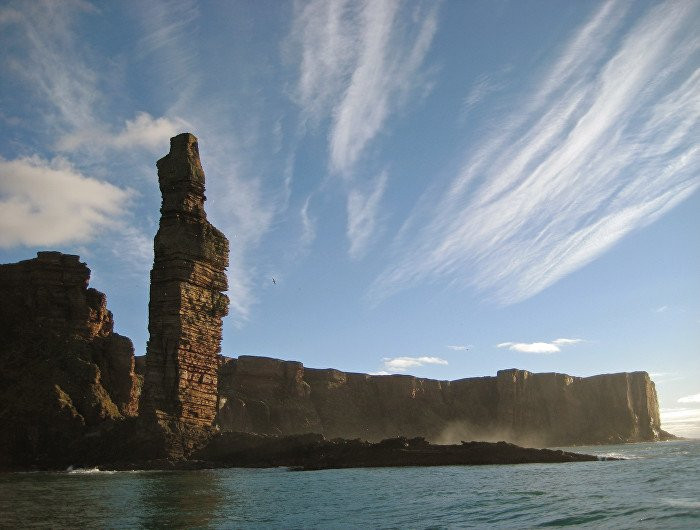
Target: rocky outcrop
[(64, 370), (311, 452), (264, 395), (187, 303)]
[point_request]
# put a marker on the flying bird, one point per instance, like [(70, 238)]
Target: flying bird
[(274, 281)]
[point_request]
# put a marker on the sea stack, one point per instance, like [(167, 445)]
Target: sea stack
[(187, 303)]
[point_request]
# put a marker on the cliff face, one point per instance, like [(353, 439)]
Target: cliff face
[(64, 370), (187, 303), (270, 396)]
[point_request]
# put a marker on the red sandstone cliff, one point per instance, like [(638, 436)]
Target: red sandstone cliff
[(187, 303), (264, 395), (64, 370)]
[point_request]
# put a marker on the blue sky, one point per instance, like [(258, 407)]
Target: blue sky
[(439, 188)]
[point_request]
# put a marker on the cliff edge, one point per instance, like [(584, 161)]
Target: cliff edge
[(271, 396)]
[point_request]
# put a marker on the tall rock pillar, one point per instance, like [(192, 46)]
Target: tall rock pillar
[(187, 302)]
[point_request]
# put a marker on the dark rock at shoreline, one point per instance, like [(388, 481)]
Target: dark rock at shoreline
[(314, 452)]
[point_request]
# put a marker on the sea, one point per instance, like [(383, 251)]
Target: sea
[(657, 485)]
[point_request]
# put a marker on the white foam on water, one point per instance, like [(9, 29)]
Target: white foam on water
[(623, 456), (90, 471), (683, 503)]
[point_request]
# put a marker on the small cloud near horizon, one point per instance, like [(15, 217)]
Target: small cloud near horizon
[(695, 398), (538, 347), (683, 422), (401, 364)]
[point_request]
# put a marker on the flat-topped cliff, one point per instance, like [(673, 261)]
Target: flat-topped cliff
[(264, 395)]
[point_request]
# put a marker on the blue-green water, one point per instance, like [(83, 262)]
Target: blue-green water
[(658, 487)]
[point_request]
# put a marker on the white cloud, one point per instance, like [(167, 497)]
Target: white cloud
[(401, 364), (483, 86), (58, 70), (359, 61), (380, 372), (52, 64), (362, 216), (51, 203), (564, 342), (144, 131), (662, 309), (681, 422), (307, 223), (666, 377), (459, 347), (602, 146), (538, 347), (530, 347), (695, 398)]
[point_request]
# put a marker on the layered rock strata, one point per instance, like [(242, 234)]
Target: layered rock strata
[(187, 303), (264, 395), (64, 369)]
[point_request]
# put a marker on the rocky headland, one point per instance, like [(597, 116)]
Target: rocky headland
[(72, 392)]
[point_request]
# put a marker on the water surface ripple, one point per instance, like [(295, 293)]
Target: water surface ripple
[(657, 487)]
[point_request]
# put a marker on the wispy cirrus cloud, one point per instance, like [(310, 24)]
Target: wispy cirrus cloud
[(459, 347), (604, 145), (242, 199), (51, 203), (170, 31), (308, 224), (44, 32), (401, 364), (68, 88), (363, 210), (695, 398), (483, 86), (245, 212), (538, 347), (72, 198), (358, 63)]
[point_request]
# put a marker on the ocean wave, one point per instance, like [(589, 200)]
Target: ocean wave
[(621, 456), (87, 471), (682, 503)]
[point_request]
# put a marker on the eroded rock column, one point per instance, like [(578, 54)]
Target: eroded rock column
[(187, 303)]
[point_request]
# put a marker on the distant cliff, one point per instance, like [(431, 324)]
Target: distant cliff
[(263, 395)]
